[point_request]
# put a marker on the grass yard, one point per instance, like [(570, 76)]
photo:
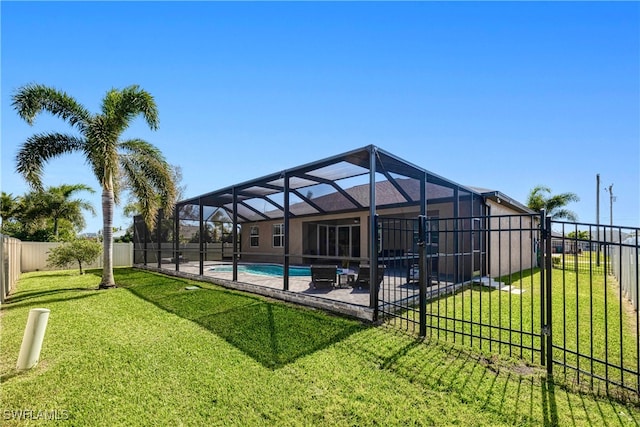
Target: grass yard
[(585, 261), (589, 318), (152, 353)]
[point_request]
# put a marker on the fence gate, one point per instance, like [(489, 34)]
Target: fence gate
[(552, 293), (468, 280)]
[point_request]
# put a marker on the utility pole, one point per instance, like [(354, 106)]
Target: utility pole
[(612, 199)]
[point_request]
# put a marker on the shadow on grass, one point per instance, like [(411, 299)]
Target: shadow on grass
[(519, 276), (549, 407), (11, 373), (518, 393), (31, 302), (17, 299), (272, 333), (515, 392)]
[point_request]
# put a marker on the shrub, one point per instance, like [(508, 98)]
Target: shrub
[(80, 251)]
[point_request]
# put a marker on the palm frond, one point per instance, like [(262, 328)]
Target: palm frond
[(121, 106), (148, 202), (537, 198), (38, 149), (141, 147), (149, 177), (9, 205), (30, 100), (67, 190), (555, 203), (565, 214)]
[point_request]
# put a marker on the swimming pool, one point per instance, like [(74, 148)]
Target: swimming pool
[(265, 269)]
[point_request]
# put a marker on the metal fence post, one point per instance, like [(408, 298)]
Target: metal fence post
[(542, 263), (548, 301), (422, 276), (375, 245)]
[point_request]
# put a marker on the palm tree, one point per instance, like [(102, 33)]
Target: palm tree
[(138, 162), (8, 207), (540, 198), (56, 204)]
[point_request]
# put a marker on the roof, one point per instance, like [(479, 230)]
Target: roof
[(502, 198), (336, 184)]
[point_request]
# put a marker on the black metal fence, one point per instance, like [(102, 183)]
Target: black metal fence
[(563, 295)]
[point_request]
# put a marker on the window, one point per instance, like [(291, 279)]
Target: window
[(278, 235), (254, 236)]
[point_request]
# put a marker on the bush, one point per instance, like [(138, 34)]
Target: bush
[(80, 251)]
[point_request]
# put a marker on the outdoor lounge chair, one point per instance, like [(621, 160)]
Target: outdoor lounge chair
[(323, 276), (364, 276)]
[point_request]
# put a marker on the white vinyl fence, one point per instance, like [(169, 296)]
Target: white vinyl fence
[(34, 256), (9, 264), (624, 265)]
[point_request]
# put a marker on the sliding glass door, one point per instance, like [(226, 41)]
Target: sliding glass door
[(339, 240)]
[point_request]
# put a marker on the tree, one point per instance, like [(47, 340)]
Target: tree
[(10, 209), (9, 206), (580, 235), (55, 205), (134, 206), (48, 215), (540, 198), (80, 251), (135, 161)]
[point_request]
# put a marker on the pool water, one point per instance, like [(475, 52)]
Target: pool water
[(265, 269)]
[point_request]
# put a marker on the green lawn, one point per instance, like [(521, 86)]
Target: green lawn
[(585, 262), (587, 320), (152, 353)]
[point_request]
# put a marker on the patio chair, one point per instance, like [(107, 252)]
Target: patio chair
[(323, 276), (364, 276)]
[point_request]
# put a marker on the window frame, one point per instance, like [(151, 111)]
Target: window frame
[(277, 232), (254, 233)]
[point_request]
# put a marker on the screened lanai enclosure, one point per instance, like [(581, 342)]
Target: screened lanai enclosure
[(356, 212)]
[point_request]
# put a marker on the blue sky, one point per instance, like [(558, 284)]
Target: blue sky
[(497, 95)]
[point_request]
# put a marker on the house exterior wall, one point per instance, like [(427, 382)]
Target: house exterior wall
[(510, 248), (266, 252), (494, 253), (462, 250)]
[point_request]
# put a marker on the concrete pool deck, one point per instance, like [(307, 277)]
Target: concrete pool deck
[(343, 300)]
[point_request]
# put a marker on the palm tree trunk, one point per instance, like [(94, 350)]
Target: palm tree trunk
[(107, 236)]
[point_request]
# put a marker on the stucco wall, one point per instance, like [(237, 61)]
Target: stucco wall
[(265, 252), (510, 251), (505, 252)]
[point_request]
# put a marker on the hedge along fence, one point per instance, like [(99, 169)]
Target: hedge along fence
[(34, 256)]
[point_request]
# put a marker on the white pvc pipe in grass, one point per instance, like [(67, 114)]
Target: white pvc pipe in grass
[(32, 339)]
